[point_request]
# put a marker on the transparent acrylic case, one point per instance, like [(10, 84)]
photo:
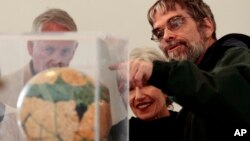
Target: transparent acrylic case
[(59, 87)]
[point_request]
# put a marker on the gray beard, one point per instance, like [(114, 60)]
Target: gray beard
[(194, 51)]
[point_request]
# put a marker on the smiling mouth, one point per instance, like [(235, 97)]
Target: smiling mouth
[(143, 105)]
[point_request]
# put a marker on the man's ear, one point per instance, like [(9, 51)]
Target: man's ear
[(208, 27), (76, 45), (30, 47)]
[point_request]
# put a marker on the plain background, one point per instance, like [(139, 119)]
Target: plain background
[(126, 18)]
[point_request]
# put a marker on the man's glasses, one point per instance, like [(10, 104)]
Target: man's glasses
[(172, 24)]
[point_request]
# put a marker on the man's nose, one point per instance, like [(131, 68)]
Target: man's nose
[(57, 59), (168, 35)]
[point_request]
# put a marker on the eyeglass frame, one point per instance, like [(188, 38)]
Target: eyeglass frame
[(172, 29)]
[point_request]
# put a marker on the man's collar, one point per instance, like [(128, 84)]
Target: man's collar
[(33, 72)]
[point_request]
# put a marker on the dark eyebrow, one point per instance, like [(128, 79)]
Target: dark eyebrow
[(178, 15)]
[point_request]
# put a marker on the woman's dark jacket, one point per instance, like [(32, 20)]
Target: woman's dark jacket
[(162, 129)]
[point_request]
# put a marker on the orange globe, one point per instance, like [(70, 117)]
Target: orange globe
[(59, 105)]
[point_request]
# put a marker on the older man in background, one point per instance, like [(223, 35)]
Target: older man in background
[(44, 54)]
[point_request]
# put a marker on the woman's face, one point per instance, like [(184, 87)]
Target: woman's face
[(148, 102)]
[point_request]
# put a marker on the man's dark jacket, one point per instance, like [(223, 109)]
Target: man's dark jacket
[(215, 94)]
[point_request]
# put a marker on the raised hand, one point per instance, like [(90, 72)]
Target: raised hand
[(139, 72)]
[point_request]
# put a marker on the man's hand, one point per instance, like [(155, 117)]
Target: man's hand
[(139, 72)]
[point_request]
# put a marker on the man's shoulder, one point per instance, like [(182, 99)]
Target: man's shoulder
[(17, 75), (11, 82), (235, 40), (15, 80), (12, 86), (12, 77), (218, 49)]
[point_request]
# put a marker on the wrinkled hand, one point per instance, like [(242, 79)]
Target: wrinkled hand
[(139, 72)]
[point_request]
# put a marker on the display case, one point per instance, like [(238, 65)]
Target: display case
[(60, 87)]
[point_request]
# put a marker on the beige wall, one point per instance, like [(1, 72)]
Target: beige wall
[(120, 17)]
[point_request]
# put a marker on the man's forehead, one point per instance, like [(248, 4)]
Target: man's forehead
[(55, 42), (168, 14), (54, 27)]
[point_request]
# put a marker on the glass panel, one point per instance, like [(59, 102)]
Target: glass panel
[(59, 87)]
